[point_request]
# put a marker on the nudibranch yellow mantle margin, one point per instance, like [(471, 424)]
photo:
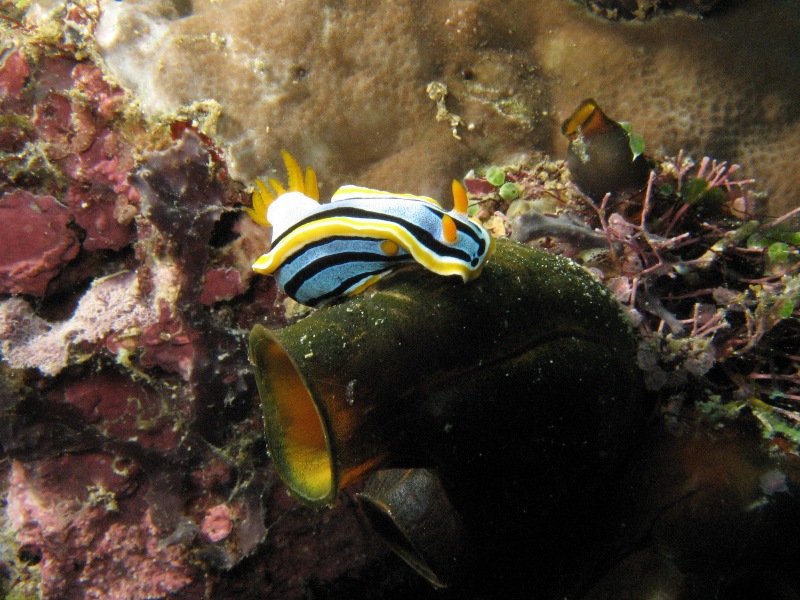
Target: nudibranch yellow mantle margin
[(322, 252)]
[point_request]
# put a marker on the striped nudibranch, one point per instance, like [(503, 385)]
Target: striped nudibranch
[(321, 252)]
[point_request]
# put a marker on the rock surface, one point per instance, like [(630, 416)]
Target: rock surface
[(133, 461), (344, 89), (37, 242)]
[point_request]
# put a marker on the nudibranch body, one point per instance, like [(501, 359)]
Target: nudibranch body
[(321, 252)]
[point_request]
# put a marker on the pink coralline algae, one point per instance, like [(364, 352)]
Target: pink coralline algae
[(130, 562), (131, 432), (217, 523), (123, 410), (107, 99), (93, 158), (83, 540), (62, 136), (37, 242), (221, 284), (168, 344), (109, 309), (14, 73)]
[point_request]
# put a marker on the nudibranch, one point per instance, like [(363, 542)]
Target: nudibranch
[(603, 156), (322, 252)]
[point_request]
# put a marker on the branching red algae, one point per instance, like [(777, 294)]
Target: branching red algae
[(711, 285)]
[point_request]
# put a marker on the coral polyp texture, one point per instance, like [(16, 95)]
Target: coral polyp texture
[(643, 9), (434, 88)]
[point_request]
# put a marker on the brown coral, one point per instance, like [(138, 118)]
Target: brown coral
[(513, 70)]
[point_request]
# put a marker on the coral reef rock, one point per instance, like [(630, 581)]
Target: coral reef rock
[(343, 87), (37, 242), (133, 461), (132, 454), (305, 79), (642, 9), (724, 86)]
